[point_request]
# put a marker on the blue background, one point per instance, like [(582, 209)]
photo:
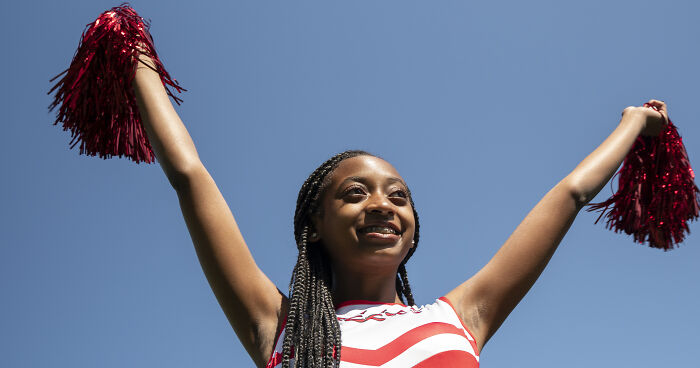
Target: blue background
[(482, 107)]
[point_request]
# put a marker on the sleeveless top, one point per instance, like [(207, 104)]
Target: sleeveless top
[(391, 335)]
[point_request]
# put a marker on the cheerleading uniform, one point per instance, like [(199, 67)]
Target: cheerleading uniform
[(391, 335)]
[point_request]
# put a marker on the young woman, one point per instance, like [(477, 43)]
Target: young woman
[(355, 227)]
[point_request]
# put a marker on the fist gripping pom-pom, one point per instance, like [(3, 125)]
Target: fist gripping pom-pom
[(656, 195), (95, 95)]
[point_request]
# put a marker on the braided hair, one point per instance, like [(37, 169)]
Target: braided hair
[(312, 332)]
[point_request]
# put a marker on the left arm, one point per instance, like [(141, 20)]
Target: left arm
[(485, 300)]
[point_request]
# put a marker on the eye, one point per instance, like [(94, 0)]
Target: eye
[(354, 191), (399, 197)]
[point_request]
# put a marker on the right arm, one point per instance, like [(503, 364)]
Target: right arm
[(251, 302)]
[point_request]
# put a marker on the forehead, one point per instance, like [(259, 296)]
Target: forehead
[(364, 166)]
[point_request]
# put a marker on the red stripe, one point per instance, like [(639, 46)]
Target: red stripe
[(275, 359), (449, 359), (399, 345)]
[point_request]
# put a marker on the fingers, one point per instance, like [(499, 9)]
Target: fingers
[(659, 106)]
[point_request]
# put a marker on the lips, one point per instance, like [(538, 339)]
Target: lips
[(381, 233), (386, 228)]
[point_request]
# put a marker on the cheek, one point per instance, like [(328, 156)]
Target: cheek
[(408, 219), (340, 222)]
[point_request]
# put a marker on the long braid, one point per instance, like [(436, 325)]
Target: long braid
[(297, 287), (312, 332), (406, 287), (402, 285)]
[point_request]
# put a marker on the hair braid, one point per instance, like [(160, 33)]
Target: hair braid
[(402, 286), (406, 287), (312, 332)]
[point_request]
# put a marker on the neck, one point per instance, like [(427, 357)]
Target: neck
[(376, 287)]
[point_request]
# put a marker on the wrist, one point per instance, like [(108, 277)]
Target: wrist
[(633, 117), (146, 73)]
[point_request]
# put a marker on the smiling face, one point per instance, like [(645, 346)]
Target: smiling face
[(366, 218)]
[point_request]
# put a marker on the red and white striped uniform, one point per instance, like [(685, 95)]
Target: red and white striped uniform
[(396, 336)]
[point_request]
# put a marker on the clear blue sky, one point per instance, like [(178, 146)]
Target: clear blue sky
[(482, 107)]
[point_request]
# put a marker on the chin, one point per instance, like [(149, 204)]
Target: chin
[(382, 255)]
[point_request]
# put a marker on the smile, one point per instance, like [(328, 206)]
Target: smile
[(384, 232), (379, 230)]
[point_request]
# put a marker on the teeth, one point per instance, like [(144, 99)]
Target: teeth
[(379, 229)]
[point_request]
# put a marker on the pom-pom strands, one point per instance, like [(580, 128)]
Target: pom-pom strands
[(656, 195), (96, 98)]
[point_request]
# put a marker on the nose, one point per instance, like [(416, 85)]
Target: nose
[(380, 204)]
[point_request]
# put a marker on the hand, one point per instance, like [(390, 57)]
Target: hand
[(653, 115), (142, 57)]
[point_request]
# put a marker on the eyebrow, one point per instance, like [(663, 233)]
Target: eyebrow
[(363, 180)]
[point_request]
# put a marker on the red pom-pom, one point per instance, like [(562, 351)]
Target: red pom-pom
[(656, 195), (96, 98)]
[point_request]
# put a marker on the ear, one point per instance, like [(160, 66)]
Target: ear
[(314, 236), (314, 233)]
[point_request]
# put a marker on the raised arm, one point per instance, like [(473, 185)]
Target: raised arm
[(485, 300), (251, 302)]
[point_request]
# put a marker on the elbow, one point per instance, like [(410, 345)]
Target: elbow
[(182, 174), (577, 190), (581, 199)]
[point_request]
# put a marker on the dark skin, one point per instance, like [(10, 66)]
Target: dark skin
[(365, 193), (365, 262)]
